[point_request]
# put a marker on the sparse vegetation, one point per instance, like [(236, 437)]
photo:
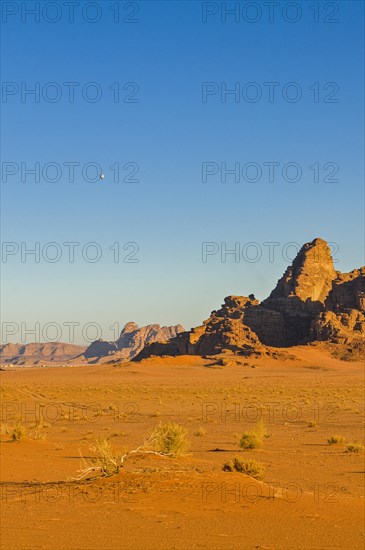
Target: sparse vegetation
[(18, 433), (166, 440), (312, 424), (336, 440), (354, 447), (253, 439), (104, 459), (250, 467), (36, 433), (4, 429), (170, 438)]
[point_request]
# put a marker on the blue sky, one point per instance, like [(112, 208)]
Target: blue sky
[(169, 133)]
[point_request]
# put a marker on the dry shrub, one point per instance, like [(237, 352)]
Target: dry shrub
[(170, 439), (250, 467), (253, 439)]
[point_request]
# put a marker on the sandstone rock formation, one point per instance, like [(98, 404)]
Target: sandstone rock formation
[(131, 341), (308, 279), (286, 316), (343, 321), (223, 330), (312, 301), (38, 353)]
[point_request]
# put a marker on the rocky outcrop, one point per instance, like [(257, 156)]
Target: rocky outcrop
[(307, 282), (39, 353), (223, 330), (339, 328), (311, 301), (226, 330), (286, 316), (343, 321), (131, 341), (348, 291)]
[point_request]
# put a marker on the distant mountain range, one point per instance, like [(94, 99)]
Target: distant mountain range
[(38, 353), (131, 341)]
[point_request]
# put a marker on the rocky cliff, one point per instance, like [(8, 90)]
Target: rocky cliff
[(286, 316), (343, 320), (312, 301)]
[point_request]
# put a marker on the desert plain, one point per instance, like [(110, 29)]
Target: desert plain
[(310, 494)]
